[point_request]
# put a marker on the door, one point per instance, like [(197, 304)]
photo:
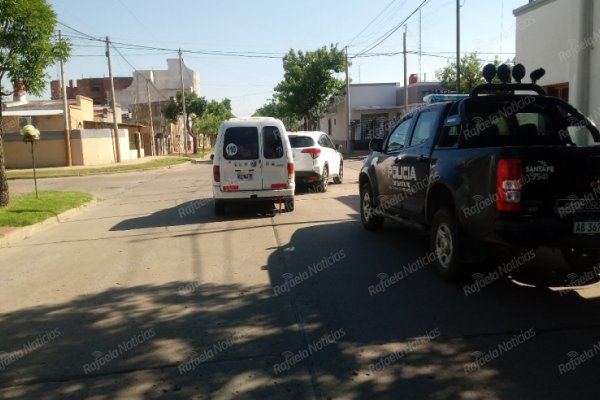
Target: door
[(390, 178), (274, 159), (240, 169), (417, 161), (331, 155)]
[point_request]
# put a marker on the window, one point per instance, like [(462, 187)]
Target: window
[(272, 143), (325, 142), (561, 91), (241, 143), (397, 138), (449, 136), (301, 141), (425, 127)]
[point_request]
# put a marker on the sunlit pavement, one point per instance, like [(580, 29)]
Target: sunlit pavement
[(149, 295)]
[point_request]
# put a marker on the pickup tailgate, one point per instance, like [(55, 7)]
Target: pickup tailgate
[(562, 181)]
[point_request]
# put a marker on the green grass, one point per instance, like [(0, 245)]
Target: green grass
[(83, 171), (25, 209)]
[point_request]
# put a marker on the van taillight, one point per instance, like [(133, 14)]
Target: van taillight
[(290, 170), (216, 173), (509, 183), (313, 151)]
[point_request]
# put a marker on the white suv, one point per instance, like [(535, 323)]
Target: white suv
[(316, 159), (253, 162)]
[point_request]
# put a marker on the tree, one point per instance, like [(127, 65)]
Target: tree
[(193, 105), (470, 73), (276, 109), (309, 82), (26, 49), (211, 120)]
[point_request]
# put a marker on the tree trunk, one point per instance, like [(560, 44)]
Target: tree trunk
[(4, 196)]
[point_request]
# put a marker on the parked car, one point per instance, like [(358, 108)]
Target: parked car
[(317, 160), (253, 162), (496, 167)]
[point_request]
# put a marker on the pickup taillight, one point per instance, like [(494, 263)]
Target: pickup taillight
[(216, 173), (313, 151), (509, 183)]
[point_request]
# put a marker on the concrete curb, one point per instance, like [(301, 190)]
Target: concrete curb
[(22, 233)]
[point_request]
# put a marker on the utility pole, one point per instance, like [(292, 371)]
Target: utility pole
[(150, 116), (348, 117), (114, 104), (69, 159), (405, 74), (457, 46), (420, 44), (185, 134)]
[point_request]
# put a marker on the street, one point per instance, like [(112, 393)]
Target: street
[(149, 295)]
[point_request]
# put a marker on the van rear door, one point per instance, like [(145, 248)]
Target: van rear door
[(240, 166), (274, 159)]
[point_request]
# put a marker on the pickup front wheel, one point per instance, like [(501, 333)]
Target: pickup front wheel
[(445, 243), (371, 220)]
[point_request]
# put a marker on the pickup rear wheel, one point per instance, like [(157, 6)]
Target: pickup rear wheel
[(445, 243), (581, 260), (368, 213)]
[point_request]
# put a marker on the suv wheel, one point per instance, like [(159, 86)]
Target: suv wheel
[(581, 260), (322, 185), (445, 243), (368, 214), (338, 179)]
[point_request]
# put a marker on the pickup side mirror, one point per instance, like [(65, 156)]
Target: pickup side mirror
[(376, 145)]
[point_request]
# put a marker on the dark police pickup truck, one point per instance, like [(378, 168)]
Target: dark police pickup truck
[(498, 166)]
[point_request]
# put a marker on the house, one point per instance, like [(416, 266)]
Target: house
[(374, 109), (91, 136), (563, 37), (97, 89)]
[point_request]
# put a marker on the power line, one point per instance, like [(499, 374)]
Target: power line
[(385, 36), (371, 22)]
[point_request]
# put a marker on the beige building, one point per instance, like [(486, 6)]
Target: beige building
[(92, 136), (563, 37)]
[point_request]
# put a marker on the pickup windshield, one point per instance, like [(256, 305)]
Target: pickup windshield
[(523, 121)]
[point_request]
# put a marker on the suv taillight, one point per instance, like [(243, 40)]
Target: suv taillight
[(313, 151), (290, 170), (216, 173), (509, 182)]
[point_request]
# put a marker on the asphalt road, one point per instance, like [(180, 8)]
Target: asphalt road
[(148, 295)]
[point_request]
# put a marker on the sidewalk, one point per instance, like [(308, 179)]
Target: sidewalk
[(75, 167)]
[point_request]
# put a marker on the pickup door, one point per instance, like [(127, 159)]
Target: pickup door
[(416, 161)]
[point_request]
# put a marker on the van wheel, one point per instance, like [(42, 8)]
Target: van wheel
[(581, 260), (445, 242), (368, 213), (219, 207), (289, 205), (338, 179)]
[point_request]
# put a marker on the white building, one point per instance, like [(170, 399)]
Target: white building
[(563, 37), (374, 108), (168, 82)]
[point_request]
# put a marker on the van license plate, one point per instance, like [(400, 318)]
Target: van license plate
[(244, 177), (587, 228)]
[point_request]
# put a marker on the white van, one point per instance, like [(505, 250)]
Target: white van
[(253, 162)]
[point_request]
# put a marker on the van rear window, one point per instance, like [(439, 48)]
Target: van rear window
[(272, 143), (241, 143)]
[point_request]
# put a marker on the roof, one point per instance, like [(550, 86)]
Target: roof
[(532, 5), (31, 112), (314, 134)]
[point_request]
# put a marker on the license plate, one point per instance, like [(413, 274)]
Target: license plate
[(244, 177), (587, 228)]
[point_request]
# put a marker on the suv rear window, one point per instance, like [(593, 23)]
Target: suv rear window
[(241, 143), (516, 121), (301, 141)]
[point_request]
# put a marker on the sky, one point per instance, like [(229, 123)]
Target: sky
[(257, 34)]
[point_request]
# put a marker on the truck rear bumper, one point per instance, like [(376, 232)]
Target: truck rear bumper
[(551, 232)]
